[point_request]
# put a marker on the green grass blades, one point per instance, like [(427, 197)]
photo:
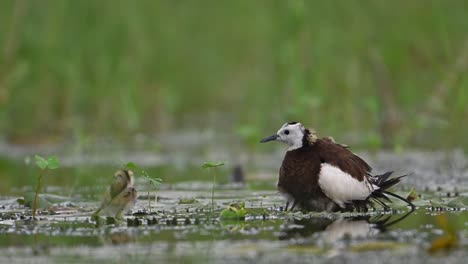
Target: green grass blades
[(302, 57)]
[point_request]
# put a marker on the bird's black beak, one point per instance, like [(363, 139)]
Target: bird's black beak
[(270, 138)]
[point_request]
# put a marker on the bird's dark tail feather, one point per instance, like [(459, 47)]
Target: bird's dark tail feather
[(384, 183)]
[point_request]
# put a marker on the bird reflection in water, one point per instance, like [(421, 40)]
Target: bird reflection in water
[(333, 230)]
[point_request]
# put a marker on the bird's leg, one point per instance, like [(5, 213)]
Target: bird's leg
[(294, 205), (287, 205), (95, 215), (118, 216)]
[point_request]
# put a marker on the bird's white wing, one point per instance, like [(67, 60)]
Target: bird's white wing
[(342, 187)]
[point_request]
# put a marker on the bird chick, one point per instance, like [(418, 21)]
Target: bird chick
[(121, 195)]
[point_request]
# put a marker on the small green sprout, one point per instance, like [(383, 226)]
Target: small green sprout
[(130, 166), (45, 165), (156, 182), (214, 166)]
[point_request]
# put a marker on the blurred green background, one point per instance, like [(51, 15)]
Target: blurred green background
[(374, 73)]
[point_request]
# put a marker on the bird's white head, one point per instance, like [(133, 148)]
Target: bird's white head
[(294, 134)]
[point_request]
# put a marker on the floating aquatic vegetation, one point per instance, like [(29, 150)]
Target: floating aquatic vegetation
[(235, 211)]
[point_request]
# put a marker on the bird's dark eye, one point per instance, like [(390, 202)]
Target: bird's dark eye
[(286, 132)]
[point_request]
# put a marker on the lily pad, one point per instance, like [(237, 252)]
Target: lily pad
[(234, 211), (459, 202)]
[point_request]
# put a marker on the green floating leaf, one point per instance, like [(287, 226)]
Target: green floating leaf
[(228, 214), (53, 162), (212, 165), (440, 204), (41, 162), (459, 202), (422, 203), (234, 211)]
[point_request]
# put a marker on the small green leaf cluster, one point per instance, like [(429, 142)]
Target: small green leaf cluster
[(131, 166), (153, 180), (143, 173), (50, 163), (208, 165)]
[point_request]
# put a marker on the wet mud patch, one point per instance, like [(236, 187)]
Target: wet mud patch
[(176, 223), (180, 231)]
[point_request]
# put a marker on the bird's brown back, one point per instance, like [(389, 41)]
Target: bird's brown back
[(341, 157)]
